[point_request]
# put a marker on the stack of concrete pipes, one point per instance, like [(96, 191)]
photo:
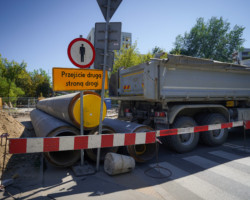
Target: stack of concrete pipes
[(60, 116)]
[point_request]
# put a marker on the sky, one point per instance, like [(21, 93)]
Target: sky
[(38, 32)]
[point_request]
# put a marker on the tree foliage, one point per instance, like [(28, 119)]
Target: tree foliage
[(24, 81), (128, 57), (15, 81), (41, 82), (157, 50), (213, 39), (9, 72)]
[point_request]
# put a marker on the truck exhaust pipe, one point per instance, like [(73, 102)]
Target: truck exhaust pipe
[(47, 126), (142, 152)]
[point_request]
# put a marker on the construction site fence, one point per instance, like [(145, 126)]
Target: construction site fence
[(18, 102)]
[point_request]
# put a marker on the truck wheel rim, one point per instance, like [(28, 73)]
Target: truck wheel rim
[(186, 139), (140, 149), (218, 134)]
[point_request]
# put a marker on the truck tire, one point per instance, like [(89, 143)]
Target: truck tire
[(184, 142), (215, 137)]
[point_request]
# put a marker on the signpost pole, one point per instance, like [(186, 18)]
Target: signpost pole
[(82, 127), (103, 80), (81, 53), (82, 123)]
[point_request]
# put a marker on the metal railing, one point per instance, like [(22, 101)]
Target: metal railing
[(18, 102)]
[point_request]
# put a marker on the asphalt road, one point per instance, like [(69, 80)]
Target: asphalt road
[(206, 173)]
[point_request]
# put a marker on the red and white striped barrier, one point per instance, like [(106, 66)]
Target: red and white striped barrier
[(34, 145), (197, 129)]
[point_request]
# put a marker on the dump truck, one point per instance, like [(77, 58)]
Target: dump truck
[(183, 91)]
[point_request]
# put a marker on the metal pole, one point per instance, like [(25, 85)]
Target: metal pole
[(82, 122), (103, 81), (82, 127)]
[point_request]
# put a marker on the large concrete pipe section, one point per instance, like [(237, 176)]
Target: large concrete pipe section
[(67, 108), (92, 153), (142, 152), (47, 126)]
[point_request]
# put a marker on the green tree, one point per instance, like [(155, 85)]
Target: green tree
[(15, 91), (15, 81), (2, 67), (213, 39), (9, 72), (157, 50), (43, 89), (3, 82), (24, 81), (128, 57), (3, 87), (41, 83)]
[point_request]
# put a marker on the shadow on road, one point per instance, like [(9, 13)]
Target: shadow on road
[(60, 183)]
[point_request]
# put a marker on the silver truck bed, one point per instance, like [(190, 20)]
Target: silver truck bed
[(183, 78)]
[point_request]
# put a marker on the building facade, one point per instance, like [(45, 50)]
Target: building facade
[(91, 36), (126, 38), (242, 57)]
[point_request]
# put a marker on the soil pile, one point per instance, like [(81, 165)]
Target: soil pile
[(15, 130), (10, 125), (24, 166)]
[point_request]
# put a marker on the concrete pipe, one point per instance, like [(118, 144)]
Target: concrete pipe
[(92, 153), (48, 126), (67, 108), (142, 152)]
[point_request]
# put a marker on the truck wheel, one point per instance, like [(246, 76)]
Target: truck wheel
[(183, 142), (215, 137)]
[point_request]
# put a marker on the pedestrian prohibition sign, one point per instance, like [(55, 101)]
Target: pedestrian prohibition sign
[(81, 52)]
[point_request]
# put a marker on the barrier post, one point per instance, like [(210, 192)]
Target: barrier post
[(82, 127), (103, 81), (5, 149), (246, 127)]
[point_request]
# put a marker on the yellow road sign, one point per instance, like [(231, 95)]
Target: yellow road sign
[(65, 79)]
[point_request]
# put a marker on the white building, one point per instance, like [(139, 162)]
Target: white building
[(242, 57), (91, 36), (126, 38)]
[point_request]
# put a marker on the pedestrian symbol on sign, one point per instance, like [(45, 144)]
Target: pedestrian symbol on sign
[(82, 52)]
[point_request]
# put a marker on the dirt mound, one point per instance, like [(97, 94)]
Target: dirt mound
[(15, 130), (10, 125)]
